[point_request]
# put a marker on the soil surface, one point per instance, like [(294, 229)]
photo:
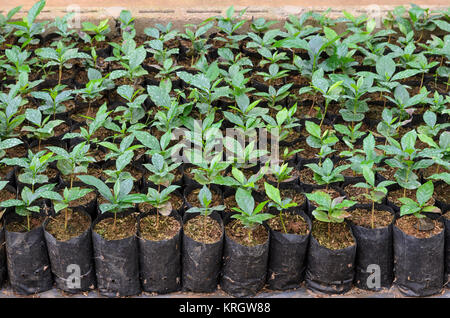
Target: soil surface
[(363, 218), (125, 227), (408, 224), (244, 236), (21, 226), (357, 194), (174, 200), (333, 236), (77, 224), (204, 230), (158, 229), (192, 198), (393, 197), (293, 223)]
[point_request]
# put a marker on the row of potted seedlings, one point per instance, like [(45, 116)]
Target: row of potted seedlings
[(90, 132)]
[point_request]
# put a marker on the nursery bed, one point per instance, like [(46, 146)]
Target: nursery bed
[(368, 106)]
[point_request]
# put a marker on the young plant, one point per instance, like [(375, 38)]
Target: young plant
[(127, 23), (439, 153), (350, 134), (168, 117), (375, 193), (10, 118), (418, 206), (318, 140), (276, 201), (133, 111), (98, 32), (60, 57), (94, 125), (24, 206), (248, 215), (198, 41), (329, 211), (18, 61), (406, 160), (205, 87), (33, 167), (330, 91), (205, 199), (96, 85), (326, 174), (274, 96), (119, 199), (208, 172), (63, 28), (27, 28), (53, 100), (355, 106), (404, 101), (74, 162), (284, 123), (242, 157), (43, 128), (132, 65), (160, 170), (431, 127), (68, 196), (238, 179)]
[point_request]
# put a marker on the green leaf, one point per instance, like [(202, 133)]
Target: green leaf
[(425, 192), (245, 200), (273, 193), (99, 185), (313, 129)]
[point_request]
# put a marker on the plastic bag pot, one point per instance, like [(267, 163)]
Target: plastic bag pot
[(27, 258), (160, 265), (201, 262), (287, 258), (2, 257), (244, 268), (374, 247), (330, 271), (65, 254), (116, 262), (447, 250), (418, 263)]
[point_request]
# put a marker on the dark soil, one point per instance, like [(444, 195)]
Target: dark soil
[(77, 224), (388, 172), (6, 195), (357, 194), (294, 224), (168, 227), (442, 192), (408, 224), (201, 229), (244, 236), (293, 174), (296, 196), (192, 198), (363, 218), (125, 227), (306, 176), (393, 196), (340, 236), (174, 200), (21, 226)]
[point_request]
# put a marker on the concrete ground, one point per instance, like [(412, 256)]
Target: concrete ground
[(181, 12), (301, 292)]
